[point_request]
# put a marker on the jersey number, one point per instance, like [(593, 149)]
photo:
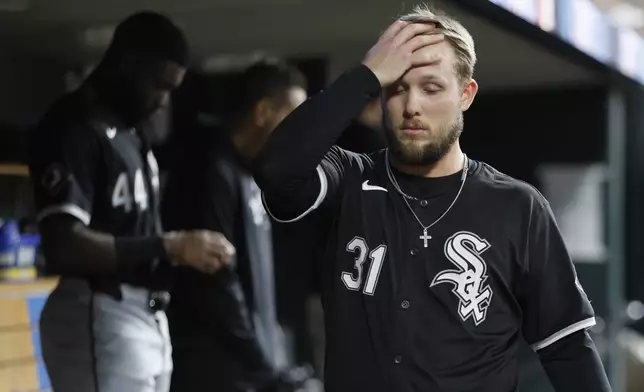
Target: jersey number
[(123, 196), (359, 246)]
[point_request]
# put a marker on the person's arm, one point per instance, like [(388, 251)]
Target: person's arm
[(64, 169), (292, 169), (557, 311), (362, 138), (71, 248), (573, 364)]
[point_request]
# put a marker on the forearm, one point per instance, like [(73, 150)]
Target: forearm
[(72, 249), (573, 364), (299, 143)]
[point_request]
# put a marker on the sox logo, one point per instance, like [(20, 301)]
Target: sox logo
[(464, 250)]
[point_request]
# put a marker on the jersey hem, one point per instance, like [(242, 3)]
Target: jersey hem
[(569, 330), (69, 209), (324, 186)]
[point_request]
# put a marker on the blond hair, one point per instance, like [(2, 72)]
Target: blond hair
[(455, 34)]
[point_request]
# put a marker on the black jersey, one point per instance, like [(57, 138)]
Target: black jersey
[(223, 326), (443, 310), (85, 164)]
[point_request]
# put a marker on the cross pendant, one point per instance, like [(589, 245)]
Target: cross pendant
[(425, 237)]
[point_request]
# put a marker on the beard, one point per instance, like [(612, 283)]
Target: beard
[(423, 152)]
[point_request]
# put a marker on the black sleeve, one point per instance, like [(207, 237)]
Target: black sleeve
[(553, 301), (573, 364), (362, 138), (64, 165), (294, 169)]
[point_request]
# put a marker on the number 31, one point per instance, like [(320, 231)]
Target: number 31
[(359, 245)]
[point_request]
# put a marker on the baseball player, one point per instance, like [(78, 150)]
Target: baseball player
[(436, 264), (96, 187)]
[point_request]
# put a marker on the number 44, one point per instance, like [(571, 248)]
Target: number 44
[(123, 196), (359, 246)]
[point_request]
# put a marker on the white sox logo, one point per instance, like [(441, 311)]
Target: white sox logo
[(464, 250)]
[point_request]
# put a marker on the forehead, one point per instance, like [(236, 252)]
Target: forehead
[(444, 68)]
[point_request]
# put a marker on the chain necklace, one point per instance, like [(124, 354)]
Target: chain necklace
[(425, 237)]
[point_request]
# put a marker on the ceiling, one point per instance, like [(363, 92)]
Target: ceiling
[(624, 13), (75, 31)]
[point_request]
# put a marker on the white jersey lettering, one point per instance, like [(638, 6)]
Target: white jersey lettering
[(464, 250)]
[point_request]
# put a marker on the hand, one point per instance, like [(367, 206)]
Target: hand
[(398, 49), (204, 250)]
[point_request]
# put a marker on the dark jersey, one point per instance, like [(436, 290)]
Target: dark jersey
[(442, 312), (84, 164), (219, 331)]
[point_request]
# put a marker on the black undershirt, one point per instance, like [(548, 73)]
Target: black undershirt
[(432, 196)]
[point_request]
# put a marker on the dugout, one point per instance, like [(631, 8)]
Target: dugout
[(548, 112)]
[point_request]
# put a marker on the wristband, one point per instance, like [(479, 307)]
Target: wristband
[(132, 251)]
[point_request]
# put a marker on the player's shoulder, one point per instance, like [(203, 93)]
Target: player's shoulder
[(500, 186), (68, 117)]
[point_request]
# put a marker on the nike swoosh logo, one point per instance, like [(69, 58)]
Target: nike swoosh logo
[(367, 187), (110, 132)]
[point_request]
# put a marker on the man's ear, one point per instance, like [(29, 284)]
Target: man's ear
[(469, 93), (261, 113)]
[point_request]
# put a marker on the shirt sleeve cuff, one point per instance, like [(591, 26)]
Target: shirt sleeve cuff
[(324, 186), (68, 209), (578, 326)]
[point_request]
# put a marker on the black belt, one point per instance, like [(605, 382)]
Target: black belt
[(159, 301)]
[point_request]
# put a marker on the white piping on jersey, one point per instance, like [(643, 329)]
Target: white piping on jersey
[(578, 326), (69, 209), (324, 187)]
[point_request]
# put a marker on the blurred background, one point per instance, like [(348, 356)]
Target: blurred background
[(560, 106)]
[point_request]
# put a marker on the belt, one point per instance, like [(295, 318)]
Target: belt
[(144, 298), (159, 301), (153, 300)]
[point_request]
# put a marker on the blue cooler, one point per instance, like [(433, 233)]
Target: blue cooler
[(27, 250), (17, 252), (9, 244)]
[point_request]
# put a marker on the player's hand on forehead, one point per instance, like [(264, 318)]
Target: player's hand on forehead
[(398, 26), (399, 48), (426, 55), (411, 31)]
